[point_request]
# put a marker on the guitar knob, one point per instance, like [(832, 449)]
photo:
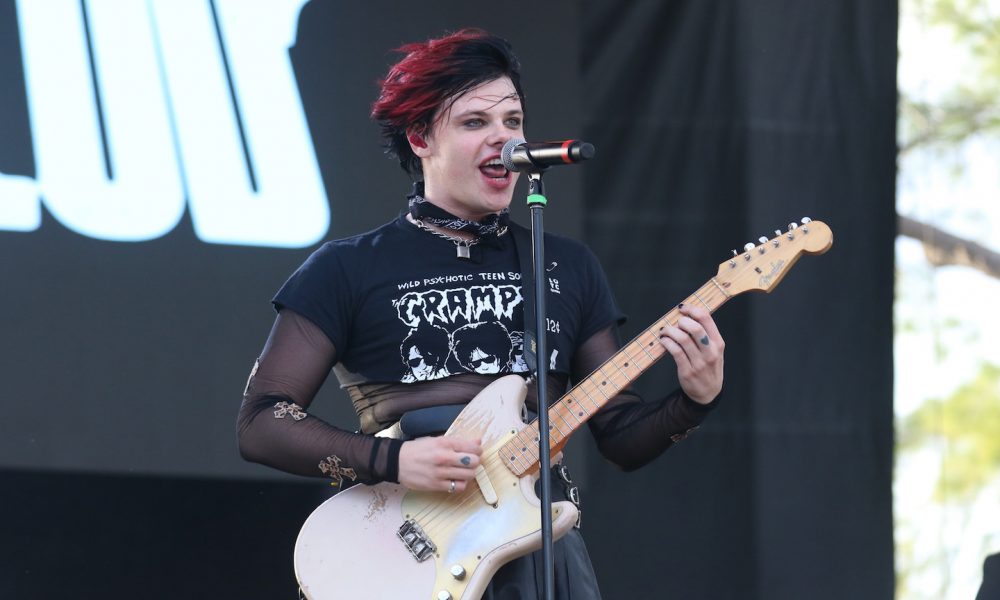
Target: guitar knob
[(458, 572)]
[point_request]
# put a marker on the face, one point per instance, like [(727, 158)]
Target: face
[(482, 362), (421, 370), (461, 156)]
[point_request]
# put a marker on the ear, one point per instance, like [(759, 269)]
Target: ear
[(418, 142)]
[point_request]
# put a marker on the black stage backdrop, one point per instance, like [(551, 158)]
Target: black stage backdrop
[(715, 122), (728, 120)]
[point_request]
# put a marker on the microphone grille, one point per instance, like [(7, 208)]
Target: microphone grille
[(508, 149)]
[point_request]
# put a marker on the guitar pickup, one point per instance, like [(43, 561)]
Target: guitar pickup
[(416, 541), (486, 486)]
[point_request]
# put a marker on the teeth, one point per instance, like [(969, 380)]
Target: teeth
[(495, 162)]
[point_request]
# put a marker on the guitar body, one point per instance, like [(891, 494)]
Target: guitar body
[(350, 547)]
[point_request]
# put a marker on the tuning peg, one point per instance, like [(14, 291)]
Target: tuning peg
[(762, 239), (791, 230), (805, 224), (732, 261), (749, 246), (792, 226)]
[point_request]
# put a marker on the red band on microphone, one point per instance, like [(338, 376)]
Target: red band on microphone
[(565, 150)]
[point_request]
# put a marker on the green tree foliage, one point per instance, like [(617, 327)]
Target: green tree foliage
[(971, 106), (967, 425)]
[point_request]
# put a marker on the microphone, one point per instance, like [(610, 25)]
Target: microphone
[(535, 157)]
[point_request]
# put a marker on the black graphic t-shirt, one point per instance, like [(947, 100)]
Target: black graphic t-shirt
[(400, 307)]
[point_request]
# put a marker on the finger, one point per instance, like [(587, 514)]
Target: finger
[(466, 461), (456, 473), (675, 350), (695, 330), (463, 445), (685, 342), (705, 319)]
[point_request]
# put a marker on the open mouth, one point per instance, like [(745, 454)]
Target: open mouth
[(494, 169)]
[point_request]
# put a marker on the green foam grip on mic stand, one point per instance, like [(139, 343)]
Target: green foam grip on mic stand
[(537, 199)]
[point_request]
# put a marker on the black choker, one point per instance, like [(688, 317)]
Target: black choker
[(424, 211)]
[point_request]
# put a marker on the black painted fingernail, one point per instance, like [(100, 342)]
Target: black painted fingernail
[(466, 460), (704, 341), (681, 305)]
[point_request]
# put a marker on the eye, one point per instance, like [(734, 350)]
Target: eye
[(514, 122), (473, 123)]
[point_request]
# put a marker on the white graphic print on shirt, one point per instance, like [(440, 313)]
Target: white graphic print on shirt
[(457, 330)]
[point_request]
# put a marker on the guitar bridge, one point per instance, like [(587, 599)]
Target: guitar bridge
[(417, 542)]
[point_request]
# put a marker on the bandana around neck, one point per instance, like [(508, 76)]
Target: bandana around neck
[(423, 210)]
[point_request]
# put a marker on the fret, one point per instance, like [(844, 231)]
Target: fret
[(621, 374), (637, 354), (702, 301), (606, 379), (565, 410), (578, 410), (591, 400), (724, 293)]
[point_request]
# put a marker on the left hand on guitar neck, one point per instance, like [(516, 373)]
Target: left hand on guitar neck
[(697, 348)]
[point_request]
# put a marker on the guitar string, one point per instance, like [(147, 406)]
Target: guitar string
[(491, 467), (432, 513), (431, 516)]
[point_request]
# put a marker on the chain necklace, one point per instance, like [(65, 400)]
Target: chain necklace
[(462, 245)]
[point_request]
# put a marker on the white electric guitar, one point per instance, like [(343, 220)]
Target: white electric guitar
[(385, 542)]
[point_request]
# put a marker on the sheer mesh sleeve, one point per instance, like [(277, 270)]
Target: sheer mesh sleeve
[(629, 431), (274, 427)]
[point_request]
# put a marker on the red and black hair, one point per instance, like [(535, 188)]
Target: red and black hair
[(430, 74)]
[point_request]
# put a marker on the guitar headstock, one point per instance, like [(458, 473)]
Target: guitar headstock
[(760, 267)]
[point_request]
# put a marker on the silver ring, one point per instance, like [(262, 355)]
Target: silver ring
[(451, 488)]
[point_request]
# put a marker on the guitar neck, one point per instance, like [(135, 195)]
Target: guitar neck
[(520, 454)]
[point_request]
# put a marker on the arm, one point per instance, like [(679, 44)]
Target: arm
[(631, 432), (275, 429)]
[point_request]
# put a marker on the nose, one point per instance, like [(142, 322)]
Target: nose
[(498, 135)]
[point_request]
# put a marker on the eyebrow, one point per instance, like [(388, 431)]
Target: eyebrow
[(483, 113)]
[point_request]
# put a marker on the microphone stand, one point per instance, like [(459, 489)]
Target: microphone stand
[(537, 202)]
